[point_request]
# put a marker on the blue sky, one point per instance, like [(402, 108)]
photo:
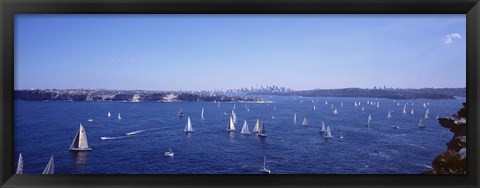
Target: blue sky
[(195, 52)]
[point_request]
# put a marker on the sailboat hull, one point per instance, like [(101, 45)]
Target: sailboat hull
[(80, 149), (265, 171)]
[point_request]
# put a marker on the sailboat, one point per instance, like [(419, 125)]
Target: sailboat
[(262, 132), (411, 112), (256, 129), (203, 110), (294, 118), (389, 115), (436, 117), (109, 115), (188, 127), (426, 116), (326, 102), (426, 111), (331, 106), (80, 142), (119, 117), (231, 125), (234, 116), (90, 119), (404, 111), (356, 104), (245, 128), (328, 134), (265, 170), (305, 123), (341, 135), (398, 103), (341, 104), (169, 153), (49, 169), (234, 106), (363, 108), (20, 165), (323, 128), (314, 108), (378, 104), (369, 119), (180, 112), (424, 105), (420, 124), (335, 111)]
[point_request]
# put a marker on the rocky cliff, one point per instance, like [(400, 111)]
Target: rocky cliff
[(453, 160)]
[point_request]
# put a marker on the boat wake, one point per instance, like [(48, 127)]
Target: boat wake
[(140, 131), (134, 132), (111, 138)]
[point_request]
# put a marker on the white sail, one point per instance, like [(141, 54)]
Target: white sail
[(203, 111), (263, 132), (305, 122), (231, 125), (389, 115), (109, 115), (188, 127), (234, 116), (398, 103), (426, 111), (356, 104), (49, 169), (420, 124), (335, 111), (411, 112), (404, 111), (314, 108), (378, 104), (328, 133), (426, 116), (363, 108), (80, 142), (369, 119), (20, 165), (326, 102), (245, 128), (436, 117), (119, 117), (234, 106), (295, 118), (256, 129), (323, 127), (331, 106), (424, 105)]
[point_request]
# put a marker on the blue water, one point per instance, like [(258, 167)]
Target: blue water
[(45, 128)]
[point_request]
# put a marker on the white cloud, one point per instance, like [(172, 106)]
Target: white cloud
[(449, 38)]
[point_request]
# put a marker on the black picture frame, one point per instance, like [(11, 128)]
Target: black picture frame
[(9, 8)]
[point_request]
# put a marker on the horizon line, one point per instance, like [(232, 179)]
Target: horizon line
[(378, 88)]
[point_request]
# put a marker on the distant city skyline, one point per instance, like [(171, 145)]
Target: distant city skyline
[(206, 52)]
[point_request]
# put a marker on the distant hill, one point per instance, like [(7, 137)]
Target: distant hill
[(118, 95), (424, 93)]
